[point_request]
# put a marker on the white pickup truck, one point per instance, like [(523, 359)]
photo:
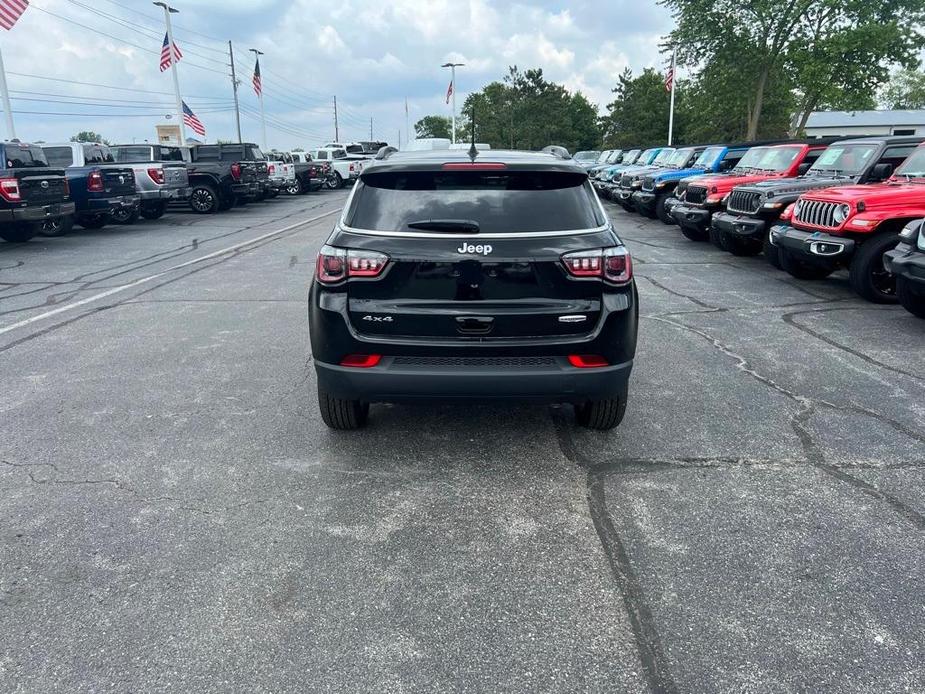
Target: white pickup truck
[(280, 171), (345, 167)]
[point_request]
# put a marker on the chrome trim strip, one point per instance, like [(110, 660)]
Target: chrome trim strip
[(498, 235)]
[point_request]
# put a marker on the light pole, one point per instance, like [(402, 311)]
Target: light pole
[(453, 67), (168, 10), (263, 117)]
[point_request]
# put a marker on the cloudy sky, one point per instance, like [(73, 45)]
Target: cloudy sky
[(65, 57)]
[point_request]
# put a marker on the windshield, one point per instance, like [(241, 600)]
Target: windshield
[(751, 159), (777, 158), (679, 158), (663, 157), (845, 159), (538, 200), (630, 157), (708, 157), (914, 166), (589, 155), (614, 156)]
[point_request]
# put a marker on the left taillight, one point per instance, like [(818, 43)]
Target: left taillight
[(156, 174), (338, 264), (611, 264), (9, 189)]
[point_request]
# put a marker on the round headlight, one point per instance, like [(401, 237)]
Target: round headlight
[(841, 213)]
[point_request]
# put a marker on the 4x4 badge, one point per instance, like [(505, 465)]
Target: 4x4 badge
[(469, 248)]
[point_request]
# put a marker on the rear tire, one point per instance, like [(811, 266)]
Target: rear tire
[(801, 269), (911, 299), (342, 415), (17, 232), (56, 227), (694, 234), (867, 275), (601, 414), (92, 222), (203, 199), (125, 216), (771, 252), (295, 188)]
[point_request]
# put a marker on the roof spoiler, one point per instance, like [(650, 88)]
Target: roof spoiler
[(386, 152), (557, 151)]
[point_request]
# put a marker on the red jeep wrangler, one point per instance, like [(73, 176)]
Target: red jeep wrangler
[(853, 227)]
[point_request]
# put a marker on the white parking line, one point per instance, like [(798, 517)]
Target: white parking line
[(149, 278)]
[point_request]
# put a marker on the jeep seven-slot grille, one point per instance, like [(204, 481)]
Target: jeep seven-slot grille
[(696, 195), (475, 361), (648, 183), (743, 202), (626, 181), (817, 213)]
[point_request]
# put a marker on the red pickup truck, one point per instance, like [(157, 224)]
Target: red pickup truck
[(853, 227)]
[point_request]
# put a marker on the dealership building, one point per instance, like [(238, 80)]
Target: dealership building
[(857, 123)]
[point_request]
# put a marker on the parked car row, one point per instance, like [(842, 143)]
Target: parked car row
[(810, 207), (47, 188)]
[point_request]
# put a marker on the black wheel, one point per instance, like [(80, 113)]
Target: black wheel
[(801, 269), (343, 415), (717, 238), (661, 212), (125, 215), (740, 246), (97, 222), (295, 187), (155, 210), (694, 234), (911, 297), (867, 275), (203, 199), (16, 232), (334, 181), (57, 226), (272, 193), (771, 252), (601, 414), (645, 211)]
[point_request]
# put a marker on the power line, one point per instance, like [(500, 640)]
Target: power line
[(113, 115), (216, 101), (145, 14)]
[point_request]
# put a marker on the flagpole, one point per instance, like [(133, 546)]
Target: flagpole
[(407, 127), (453, 67), (263, 117), (674, 55), (7, 109), (168, 10)]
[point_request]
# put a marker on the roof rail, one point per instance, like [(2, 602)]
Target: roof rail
[(385, 152), (557, 151)]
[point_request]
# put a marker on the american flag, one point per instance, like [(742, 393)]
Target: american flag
[(10, 11), (165, 53), (669, 79), (258, 85), (449, 91), (192, 121)]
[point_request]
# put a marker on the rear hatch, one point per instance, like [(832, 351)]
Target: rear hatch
[(40, 186), (175, 175), (474, 255)]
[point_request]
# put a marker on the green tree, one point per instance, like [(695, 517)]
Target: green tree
[(433, 126), (638, 116), (905, 90), (89, 136)]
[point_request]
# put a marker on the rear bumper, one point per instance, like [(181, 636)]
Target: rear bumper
[(395, 379), (106, 205), (36, 213), (813, 245), (910, 265), (692, 217), (740, 225), (180, 193)]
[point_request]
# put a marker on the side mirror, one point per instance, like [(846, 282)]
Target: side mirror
[(881, 172), (803, 168)]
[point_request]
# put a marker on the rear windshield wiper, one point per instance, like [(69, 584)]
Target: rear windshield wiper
[(448, 225)]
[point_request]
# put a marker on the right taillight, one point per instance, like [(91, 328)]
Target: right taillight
[(95, 182), (156, 174), (611, 264), (338, 264), (236, 171), (9, 189)]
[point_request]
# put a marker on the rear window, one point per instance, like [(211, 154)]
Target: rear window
[(97, 154), (130, 154), (58, 156), (24, 157), (499, 202)]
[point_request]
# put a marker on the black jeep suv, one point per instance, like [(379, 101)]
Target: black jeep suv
[(455, 275)]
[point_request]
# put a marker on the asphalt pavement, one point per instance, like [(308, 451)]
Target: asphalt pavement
[(174, 516)]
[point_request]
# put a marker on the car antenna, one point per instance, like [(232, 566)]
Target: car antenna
[(473, 151)]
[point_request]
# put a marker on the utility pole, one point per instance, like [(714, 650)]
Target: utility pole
[(370, 128), (336, 129), (399, 138), (234, 86), (453, 67), (168, 10), (263, 116), (407, 127)]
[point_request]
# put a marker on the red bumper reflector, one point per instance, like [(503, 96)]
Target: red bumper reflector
[(586, 361), (361, 361)]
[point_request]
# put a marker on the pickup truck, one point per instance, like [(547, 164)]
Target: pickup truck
[(906, 262), (705, 196), (280, 170), (853, 227), (605, 183), (99, 186), (753, 209), (344, 168), (34, 197), (221, 175), (315, 172), (160, 177), (630, 180)]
